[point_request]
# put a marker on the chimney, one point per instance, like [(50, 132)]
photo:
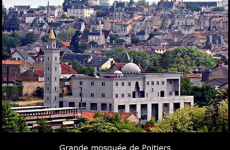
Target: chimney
[(139, 64)]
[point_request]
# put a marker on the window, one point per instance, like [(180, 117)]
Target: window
[(48, 68), (92, 94), (146, 94), (152, 82), (48, 78), (103, 83), (122, 95), (53, 45), (47, 98), (152, 89), (55, 88), (170, 93), (81, 82), (48, 88), (122, 83), (129, 83), (116, 83), (92, 83), (55, 78), (80, 94), (163, 82), (116, 95), (48, 58), (55, 68), (55, 98), (103, 95), (176, 93), (170, 81), (129, 95), (147, 82), (55, 58), (158, 94), (158, 82)]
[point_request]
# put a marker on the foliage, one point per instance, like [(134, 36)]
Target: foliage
[(43, 127), (218, 9), (97, 114), (152, 34), (189, 119), (45, 38), (5, 54), (81, 69), (9, 41), (11, 23), (11, 92), (135, 40), (39, 92), (72, 17), (152, 121), (100, 13), (116, 40), (66, 35), (152, 68), (186, 86), (93, 43), (83, 46), (29, 38), (74, 44), (142, 3), (193, 7), (12, 122), (105, 70), (63, 16)]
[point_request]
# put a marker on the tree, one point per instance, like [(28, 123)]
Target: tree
[(152, 68), (12, 122), (43, 127), (45, 38), (185, 86), (100, 13), (218, 9), (11, 23), (74, 44), (105, 70), (29, 38), (93, 43), (83, 46), (66, 35), (5, 54), (135, 40), (39, 92), (81, 69), (72, 17), (63, 16), (152, 121), (193, 7), (142, 3)]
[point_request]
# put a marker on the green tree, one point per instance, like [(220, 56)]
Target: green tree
[(72, 17), (11, 23), (142, 3), (83, 46), (66, 35), (185, 86), (63, 16), (81, 69), (45, 38), (135, 40), (12, 122), (100, 13), (43, 127), (193, 7), (29, 38), (39, 92), (152, 121), (5, 54), (93, 43), (218, 9), (74, 44)]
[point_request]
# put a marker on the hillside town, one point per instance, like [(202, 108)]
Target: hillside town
[(116, 66)]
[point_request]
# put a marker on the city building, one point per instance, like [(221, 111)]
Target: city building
[(129, 90), (80, 11)]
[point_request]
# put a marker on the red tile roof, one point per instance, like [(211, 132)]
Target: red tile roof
[(67, 44), (40, 73), (89, 114), (12, 62), (66, 69), (194, 75), (119, 65)]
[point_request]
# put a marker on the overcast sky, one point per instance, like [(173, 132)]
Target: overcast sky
[(36, 3)]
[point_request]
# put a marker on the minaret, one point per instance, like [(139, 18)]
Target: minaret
[(51, 72)]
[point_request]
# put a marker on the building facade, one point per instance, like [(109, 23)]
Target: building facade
[(147, 94), (52, 72)]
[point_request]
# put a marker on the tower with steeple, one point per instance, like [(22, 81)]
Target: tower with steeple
[(51, 72)]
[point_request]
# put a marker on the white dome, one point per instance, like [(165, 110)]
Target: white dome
[(131, 68), (117, 72)]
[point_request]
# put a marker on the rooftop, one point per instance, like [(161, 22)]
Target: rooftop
[(12, 62)]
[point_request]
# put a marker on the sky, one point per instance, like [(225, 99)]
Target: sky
[(36, 3)]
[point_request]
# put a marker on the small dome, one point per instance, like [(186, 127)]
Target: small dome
[(131, 68), (117, 72)]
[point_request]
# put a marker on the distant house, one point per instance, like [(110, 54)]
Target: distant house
[(22, 55), (157, 41), (195, 79), (142, 35), (80, 11)]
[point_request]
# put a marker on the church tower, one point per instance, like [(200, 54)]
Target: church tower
[(51, 72)]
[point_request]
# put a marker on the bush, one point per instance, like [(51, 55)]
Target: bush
[(11, 92)]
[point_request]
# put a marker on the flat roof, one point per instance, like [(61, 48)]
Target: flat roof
[(28, 107), (48, 109)]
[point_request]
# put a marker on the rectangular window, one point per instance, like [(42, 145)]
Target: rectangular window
[(55, 78), (55, 88), (122, 83), (163, 82), (116, 95), (92, 83), (92, 94), (48, 68), (147, 82), (176, 93), (47, 98), (152, 82), (158, 82), (146, 94), (48, 78), (129, 95), (81, 82), (55, 98), (48, 58), (103, 83), (55, 68), (170, 93), (122, 95), (116, 83), (170, 81), (129, 83), (55, 58), (158, 94), (103, 95), (152, 89)]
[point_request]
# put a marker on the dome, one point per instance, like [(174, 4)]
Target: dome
[(131, 68), (117, 72)]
